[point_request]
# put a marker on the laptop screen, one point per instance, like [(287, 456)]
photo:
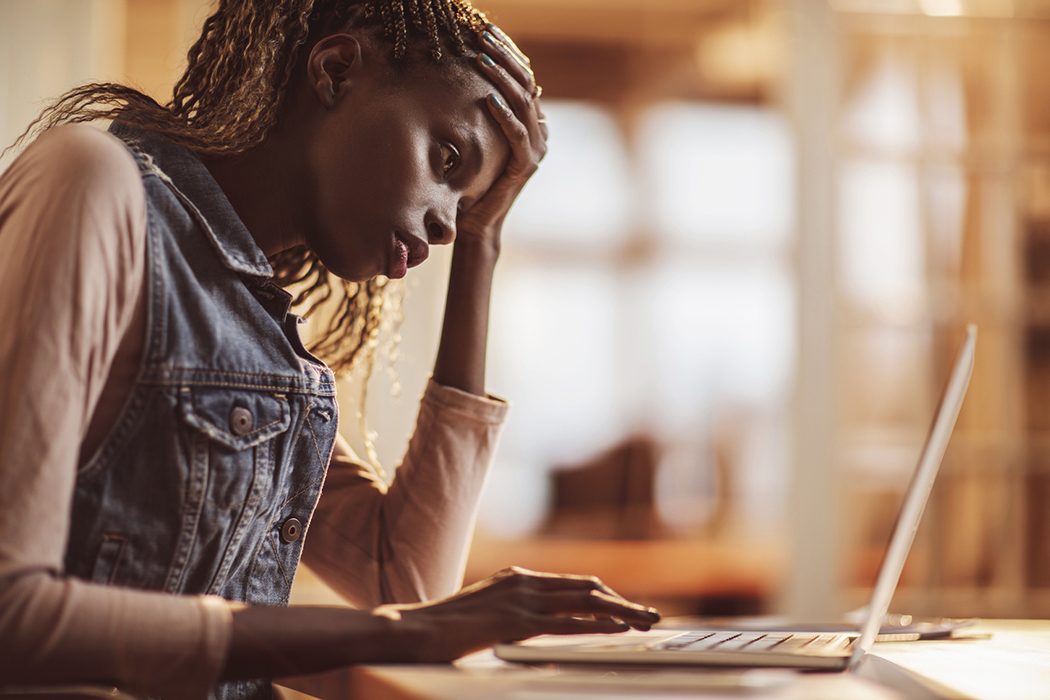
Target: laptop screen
[(918, 493)]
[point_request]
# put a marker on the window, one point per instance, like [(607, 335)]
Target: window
[(646, 287)]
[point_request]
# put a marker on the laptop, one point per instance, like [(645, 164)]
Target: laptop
[(777, 647)]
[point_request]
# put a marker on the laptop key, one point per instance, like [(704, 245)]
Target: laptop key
[(739, 642), (822, 640), (770, 641), (711, 641), (684, 640), (793, 642)]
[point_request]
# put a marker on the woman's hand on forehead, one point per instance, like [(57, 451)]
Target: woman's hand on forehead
[(514, 104)]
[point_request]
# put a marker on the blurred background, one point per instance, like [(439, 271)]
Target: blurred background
[(731, 296)]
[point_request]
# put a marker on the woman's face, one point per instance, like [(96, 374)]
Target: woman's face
[(393, 161)]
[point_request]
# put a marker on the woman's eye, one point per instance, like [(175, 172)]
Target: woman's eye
[(449, 158)]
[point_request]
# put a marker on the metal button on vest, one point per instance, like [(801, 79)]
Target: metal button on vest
[(291, 530), (241, 421)]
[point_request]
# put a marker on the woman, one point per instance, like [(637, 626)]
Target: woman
[(162, 428)]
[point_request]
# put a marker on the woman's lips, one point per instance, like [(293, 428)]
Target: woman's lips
[(398, 265), (418, 249)]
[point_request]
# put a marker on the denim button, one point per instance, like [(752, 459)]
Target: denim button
[(241, 421), (291, 530)]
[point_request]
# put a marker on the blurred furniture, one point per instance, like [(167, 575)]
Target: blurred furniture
[(603, 521), (609, 496), (1014, 663)]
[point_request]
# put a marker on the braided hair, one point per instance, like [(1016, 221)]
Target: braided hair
[(227, 102)]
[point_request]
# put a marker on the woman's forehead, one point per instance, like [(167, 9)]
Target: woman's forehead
[(459, 94), (451, 82)]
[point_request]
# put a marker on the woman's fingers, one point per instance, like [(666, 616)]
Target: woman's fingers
[(522, 163), (508, 69), (519, 100), (516, 109), (507, 55), (594, 602), (567, 594), (553, 624), (563, 581), (577, 581), (509, 43), (516, 604)]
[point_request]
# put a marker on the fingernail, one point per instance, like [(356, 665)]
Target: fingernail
[(489, 37), (509, 43), (498, 101), (487, 60)]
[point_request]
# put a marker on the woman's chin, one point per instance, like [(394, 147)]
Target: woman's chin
[(347, 270)]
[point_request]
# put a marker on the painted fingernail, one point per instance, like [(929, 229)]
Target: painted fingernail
[(487, 60), (507, 48), (508, 42), (498, 101)]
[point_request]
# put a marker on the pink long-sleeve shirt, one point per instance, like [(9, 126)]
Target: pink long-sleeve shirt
[(72, 255)]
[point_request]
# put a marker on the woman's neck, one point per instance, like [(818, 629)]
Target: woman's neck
[(265, 189)]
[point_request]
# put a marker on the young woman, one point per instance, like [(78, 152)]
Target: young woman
[(164, 433)]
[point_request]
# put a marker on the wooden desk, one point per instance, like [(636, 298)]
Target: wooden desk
[(1013, 664), (484, 677)]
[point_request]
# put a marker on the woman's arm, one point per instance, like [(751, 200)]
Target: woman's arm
[(460, 362), (514, 106), (512, 605), (72, 252), (409, 542)]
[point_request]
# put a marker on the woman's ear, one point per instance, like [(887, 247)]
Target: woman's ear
[(331, 67)]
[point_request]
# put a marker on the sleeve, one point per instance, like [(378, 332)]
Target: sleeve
[(72, 256), (407, 542)]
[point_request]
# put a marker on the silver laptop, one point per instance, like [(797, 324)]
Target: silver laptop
[(778, 648)]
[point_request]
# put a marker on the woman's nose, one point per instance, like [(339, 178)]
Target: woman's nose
[(439, 231)]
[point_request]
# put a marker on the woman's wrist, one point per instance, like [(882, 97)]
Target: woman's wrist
[(297, 640), (482, 249), (410, 638), (386, 637)]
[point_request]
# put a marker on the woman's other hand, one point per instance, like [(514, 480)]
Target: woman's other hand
[(512, 605), (516, 108)]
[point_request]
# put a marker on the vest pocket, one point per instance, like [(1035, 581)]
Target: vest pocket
[(110, 553), (231, 437), (235, 418)]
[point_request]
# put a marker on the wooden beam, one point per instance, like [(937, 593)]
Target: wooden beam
[(618, 22)]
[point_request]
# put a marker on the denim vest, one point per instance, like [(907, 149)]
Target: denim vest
[(208, 480)]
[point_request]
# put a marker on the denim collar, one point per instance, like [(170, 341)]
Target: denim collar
[(234, 243)]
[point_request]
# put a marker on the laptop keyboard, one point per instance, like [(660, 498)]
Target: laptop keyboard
[(781, 642)]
